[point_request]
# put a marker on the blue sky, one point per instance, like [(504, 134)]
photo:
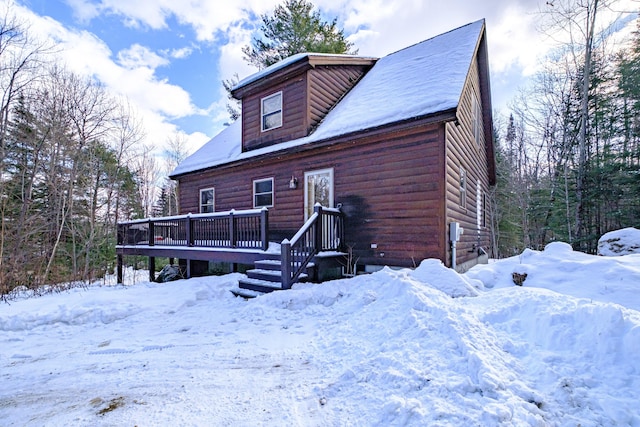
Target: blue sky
[(168, 57)]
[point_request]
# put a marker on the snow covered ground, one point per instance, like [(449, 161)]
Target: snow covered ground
[(390, 348)]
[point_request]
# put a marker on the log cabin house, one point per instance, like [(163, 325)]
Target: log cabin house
[(348, 161)]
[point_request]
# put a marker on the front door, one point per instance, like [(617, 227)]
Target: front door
[(318, 188)]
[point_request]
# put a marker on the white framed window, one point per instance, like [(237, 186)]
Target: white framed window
[(263, 193), (271, 111), (207, 200), (477, 119), (463, 188)]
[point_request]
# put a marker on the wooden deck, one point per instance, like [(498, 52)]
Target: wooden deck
[(237, 237)]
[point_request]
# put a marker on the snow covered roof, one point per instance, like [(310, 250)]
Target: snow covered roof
[(220, 149), (418, 81), (309, 56)]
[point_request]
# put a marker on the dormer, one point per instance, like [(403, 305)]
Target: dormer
[(287, 100)]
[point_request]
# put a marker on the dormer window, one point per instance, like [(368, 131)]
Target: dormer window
[(272, 111)]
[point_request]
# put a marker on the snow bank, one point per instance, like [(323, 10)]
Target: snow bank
[(433, 272), (620, 242), (561, 269), (397, 347)]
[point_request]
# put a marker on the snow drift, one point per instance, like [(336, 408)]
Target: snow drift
[(397, 347)]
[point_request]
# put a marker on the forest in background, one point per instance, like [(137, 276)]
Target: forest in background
[(569, 154), (73, 162)]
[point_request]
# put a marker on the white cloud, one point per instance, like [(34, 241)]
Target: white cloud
[(156, 101), (83, 10), (378, 27), (231, 56), (181, 53), (151, 13), (514, 41), (137, 56), (207, 18)]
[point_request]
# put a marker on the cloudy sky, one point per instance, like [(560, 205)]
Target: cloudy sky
[(168, 57)]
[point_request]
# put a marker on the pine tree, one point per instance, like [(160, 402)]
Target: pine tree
[(626, 169), (294, 28)]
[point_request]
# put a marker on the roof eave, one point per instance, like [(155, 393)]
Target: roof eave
[(485, 94), (437, 117), (299, 66), (274, 78)]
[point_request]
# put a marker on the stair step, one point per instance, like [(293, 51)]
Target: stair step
[(268, 264), (259, 285), (274, 264), (269, 275)]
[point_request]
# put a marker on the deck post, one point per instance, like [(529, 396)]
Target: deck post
[(152, 269), (232, 230), (189, 230), (152, 237), (285, 266), (120, 231), (119, 268), (264, 228), (318, 228)]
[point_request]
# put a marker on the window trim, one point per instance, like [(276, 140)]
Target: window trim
[(479, 205), (477, 119), (213, 200), (263, 115), (485, 210), (272, 192), (463, 188)]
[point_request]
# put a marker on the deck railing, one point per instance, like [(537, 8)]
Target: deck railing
[(246, 229), (323, 231)]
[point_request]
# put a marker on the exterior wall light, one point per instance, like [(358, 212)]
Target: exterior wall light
[(293, 183)]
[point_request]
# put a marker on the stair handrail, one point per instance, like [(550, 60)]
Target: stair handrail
[(306, 243)]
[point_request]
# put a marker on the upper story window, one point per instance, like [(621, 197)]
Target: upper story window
[(207, 203), (271, 111), (477, 119), (263, 193)]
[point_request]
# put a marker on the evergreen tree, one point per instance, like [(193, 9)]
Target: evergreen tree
[(294, 28), (233, 106), (626, 209), (628, 71)]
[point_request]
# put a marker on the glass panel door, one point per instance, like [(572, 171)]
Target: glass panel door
[(318, 188)]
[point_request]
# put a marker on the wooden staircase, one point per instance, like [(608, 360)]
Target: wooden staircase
[(267, 276), (323, 232)]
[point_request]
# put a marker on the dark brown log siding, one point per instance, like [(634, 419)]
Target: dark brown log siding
[(327, 84), (294, 115), (464, 152), (391, 188), (306, 99)]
